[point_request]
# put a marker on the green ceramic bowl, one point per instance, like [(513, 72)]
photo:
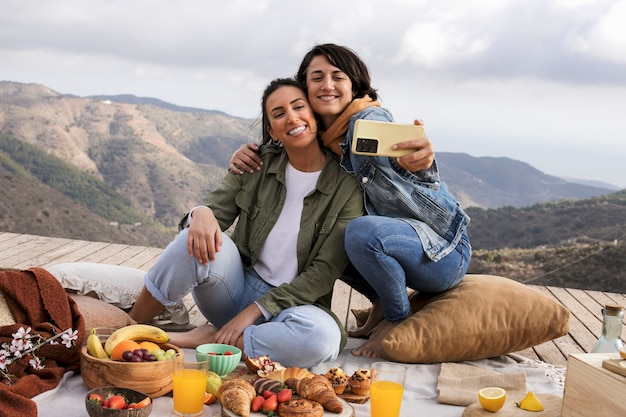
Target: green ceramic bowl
[(223, 359)]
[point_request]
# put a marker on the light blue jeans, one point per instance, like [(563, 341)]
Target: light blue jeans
[(302, 336), (386, 257)]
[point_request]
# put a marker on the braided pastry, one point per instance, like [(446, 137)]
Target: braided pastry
[(300, 407)]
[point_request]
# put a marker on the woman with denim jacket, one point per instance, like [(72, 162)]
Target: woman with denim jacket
[(415, 233), (273, 276)]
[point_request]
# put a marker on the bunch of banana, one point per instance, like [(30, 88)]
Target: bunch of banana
[(136, 332), (94, 346)]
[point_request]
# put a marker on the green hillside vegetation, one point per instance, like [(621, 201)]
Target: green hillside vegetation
[(573, 243), (599, 266), (556, 223), (23, 159)]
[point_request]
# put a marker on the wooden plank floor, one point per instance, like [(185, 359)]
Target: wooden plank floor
[(24, 251)]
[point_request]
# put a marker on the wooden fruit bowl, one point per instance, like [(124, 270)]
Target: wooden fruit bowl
[(150, 378)]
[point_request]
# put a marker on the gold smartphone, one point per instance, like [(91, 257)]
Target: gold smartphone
[(375, 138)]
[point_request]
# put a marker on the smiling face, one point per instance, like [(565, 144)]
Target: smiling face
[(291, 118), (329, 89)]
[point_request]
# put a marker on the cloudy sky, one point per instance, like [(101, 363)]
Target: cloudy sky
[(540, 81)]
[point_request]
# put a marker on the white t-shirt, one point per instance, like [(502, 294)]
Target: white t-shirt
[(277, 263)]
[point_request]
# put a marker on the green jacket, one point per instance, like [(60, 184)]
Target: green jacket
[(256, 200)]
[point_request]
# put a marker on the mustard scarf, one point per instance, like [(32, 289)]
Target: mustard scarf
[(337, 131)]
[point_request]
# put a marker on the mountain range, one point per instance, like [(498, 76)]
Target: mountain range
[(132, 166)]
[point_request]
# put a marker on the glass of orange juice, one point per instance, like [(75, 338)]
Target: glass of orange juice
[(386, 389), (189, 385)]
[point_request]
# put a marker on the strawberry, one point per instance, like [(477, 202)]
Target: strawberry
[(256, 403), (270, 404), (117, 402), (267, 393), (284, 395), (95, 399)]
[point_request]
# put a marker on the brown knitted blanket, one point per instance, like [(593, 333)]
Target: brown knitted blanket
[(37, 300)]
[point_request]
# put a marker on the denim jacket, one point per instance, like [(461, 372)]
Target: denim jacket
[(420, 198)]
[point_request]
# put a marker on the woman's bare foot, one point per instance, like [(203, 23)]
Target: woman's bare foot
[(373, 348), (194, 337), (376, 316)]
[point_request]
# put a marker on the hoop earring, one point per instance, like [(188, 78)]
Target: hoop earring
[(276, 142)]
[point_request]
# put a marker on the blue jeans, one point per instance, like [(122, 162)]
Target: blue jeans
[(386, 257), (223, 288)]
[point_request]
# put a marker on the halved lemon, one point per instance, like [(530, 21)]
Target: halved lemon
[(492, 398)]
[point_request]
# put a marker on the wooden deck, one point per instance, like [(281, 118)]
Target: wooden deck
[(24, 251)]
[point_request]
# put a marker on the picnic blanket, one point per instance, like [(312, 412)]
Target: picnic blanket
[(421, 392)]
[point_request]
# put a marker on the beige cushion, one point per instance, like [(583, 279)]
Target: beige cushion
[(6, 317), (484, 316), (100, 314), (95, 312), (114, 284)]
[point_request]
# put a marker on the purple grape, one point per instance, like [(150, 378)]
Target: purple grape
[(138, 352), (127, 355)]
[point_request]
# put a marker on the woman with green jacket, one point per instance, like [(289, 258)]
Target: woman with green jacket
[(272, 279)]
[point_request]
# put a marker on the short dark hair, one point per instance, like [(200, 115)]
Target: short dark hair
[(347, 61)]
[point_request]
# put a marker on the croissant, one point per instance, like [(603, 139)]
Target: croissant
[(236, 395), (293, 372), (317, 388)]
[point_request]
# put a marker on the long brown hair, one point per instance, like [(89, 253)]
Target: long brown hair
[(271, 87)]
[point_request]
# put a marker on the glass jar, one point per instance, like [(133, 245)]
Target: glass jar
[(611, 339)]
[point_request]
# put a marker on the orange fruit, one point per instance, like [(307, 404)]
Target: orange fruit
[(123, 346), (209, 398), (149, 346)]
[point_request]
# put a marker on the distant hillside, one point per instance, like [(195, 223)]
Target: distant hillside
[(490, 182), (599, 266), (561, 222), (30, 207), (124, 169), (162, 161), (157, 159), (573, 243)]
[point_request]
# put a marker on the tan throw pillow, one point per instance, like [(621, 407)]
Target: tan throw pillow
[(482, 317), (6, 317), (100, 314)]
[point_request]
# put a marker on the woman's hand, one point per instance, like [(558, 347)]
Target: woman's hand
[(231, 331), (245, 158), (205, 237), (422, 158)]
